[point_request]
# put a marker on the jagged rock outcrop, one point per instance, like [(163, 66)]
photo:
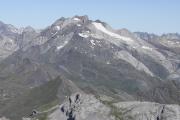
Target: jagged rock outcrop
[(148, 111), (4, 118), (82, 107), (87, 107)]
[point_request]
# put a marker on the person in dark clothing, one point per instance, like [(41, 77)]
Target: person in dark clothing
[(67, 113), (34, 112), (62, 109), (71, 117), (71, 113), (77, 97), (162, 109), (70, 101), (157, 117)]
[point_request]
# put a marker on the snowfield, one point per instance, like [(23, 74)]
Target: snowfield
[(100, 27), (83, 35), (76, 19), (61, 46)]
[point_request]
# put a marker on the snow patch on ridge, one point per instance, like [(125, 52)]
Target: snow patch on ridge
[(79, 25), (83, 35), (147, 48), (61, 46), (76, 19), (58, 27), (100, 27), (92, 42)]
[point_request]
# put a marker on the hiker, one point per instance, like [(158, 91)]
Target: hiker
[(34, 112), (158, 118), (70, 101), (71, 117), (71, 114), (67, 113), (62, 109), (163, 109), (77, 97)]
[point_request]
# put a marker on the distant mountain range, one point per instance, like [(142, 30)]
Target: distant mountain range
[(76, 55)]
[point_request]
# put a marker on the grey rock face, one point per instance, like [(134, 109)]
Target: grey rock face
[(83, 48), (83, 107), (148, 111), (8, 45), (124, 55), (12, 39), (3, 118), (168, 45), (87, 107)]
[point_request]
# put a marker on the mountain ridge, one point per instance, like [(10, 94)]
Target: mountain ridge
[(93, 58)]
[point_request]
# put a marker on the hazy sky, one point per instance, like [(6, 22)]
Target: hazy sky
[(155, 16)]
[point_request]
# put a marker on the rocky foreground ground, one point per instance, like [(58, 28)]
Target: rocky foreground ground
[(82, 106)]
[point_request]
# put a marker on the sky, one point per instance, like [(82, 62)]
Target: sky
[(153, 16)]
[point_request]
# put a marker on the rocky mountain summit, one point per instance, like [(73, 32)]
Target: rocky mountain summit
[(38, 69), (83, 107), (88, 107)]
